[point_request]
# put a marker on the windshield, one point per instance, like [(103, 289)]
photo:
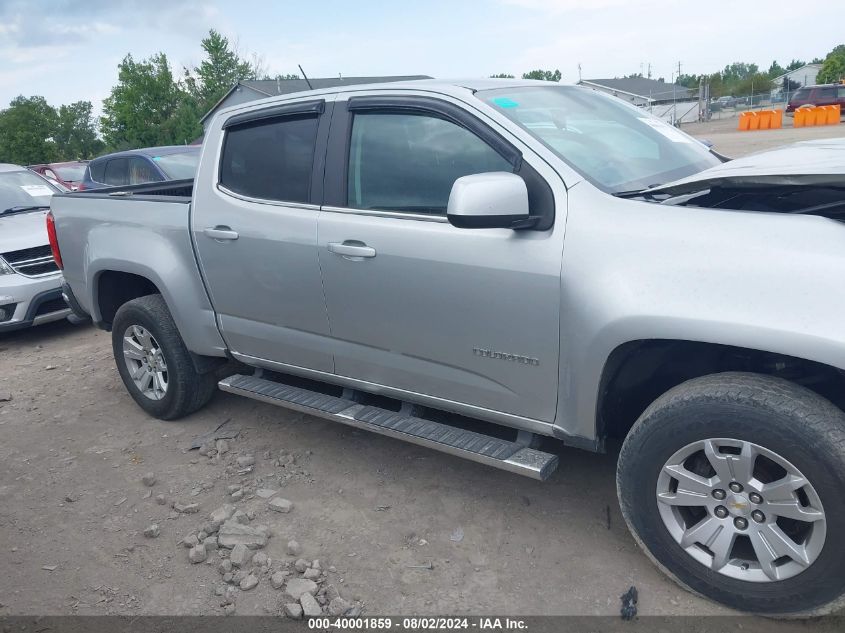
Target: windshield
[(70, 173), (24, 189), (179, 166), (614, 145)]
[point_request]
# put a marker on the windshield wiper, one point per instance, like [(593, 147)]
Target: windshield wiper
[(24, 208), (634, 193)]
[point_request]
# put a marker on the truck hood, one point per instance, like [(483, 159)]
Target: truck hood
[(22, 230), (818, 163)]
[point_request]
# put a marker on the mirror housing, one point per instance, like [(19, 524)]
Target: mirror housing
[(493, 200)]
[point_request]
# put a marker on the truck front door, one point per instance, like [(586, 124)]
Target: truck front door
[(255, 228), (469, 316)]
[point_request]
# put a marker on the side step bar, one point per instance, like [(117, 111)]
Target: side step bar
[(470, 445)]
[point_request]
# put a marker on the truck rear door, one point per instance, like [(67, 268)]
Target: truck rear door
[(254, 224)]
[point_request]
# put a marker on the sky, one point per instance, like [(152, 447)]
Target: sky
[(68, 50)]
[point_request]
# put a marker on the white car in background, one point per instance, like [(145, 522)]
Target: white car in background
[(30, 281)]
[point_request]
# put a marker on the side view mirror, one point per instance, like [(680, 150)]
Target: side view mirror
[(489, 201)]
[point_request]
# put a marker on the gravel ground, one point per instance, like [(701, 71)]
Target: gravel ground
[(404, 529)]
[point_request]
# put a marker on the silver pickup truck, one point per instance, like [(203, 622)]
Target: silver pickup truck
[(478, 266)]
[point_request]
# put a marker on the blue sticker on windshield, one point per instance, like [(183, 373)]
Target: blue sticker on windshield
[(156, 157), (505, 102)]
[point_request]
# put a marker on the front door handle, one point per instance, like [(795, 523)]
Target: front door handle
[(352, 249), (221, 233)]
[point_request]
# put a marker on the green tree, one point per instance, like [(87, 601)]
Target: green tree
[(221, 69), (739, 71), (755, 84), (139, 109), (689, 81), (26, 131), (795, 64), (543, 75), (76, 132), (833, 68), (776, 70), (501, 76)]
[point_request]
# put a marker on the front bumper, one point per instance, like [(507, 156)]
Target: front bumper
[(30, 301)]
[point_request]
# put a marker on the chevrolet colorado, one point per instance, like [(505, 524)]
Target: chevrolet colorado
[(473, 266)]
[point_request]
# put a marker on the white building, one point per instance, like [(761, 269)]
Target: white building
[(804, 76)]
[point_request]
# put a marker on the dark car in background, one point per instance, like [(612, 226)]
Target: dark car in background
[(821, 95), (137, 166), (69, 173)]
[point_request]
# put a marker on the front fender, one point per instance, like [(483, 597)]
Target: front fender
[(637, 271)]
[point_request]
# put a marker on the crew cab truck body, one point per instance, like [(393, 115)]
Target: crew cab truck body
[(538, 258)]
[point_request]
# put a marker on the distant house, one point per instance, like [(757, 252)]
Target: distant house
[(641, 91), (804, 76), (252, 89)]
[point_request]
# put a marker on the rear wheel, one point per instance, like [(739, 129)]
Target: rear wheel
[(154, 363), (733, 484)]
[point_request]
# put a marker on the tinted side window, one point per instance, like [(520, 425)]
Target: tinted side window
[(98, 169), (825, 93), (271, 159), (409, 162), (117, 172), (140, 171), (840, 93)]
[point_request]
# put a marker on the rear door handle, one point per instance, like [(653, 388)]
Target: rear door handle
[(352, 249), (221, 233)]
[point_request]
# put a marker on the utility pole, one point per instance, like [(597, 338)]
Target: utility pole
[(579, 72), (679, 70), (649, 70)]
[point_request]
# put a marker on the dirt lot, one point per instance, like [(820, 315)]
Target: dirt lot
[(397, 529), (75, 448), (727, 140)]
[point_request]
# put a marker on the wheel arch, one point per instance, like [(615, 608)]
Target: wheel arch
[(637, 372)]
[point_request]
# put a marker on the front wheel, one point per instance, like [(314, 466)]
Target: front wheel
[(154, 363), (733, 484)]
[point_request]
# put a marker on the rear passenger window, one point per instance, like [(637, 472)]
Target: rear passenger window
[(270, 159), (117, 172), (98, 171)]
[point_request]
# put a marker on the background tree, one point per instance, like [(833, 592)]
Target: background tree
[(501, 76), (76, 132), (221, 69), (138, 111), (739, 71), (26, 131), (833, 67), (753, 84), (544, 75), (796, 64), (776, 70)]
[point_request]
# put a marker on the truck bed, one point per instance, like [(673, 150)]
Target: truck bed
[(116, 235), (175, 190)]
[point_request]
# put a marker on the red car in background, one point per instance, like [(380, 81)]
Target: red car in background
[(68, 174), (821, 95)]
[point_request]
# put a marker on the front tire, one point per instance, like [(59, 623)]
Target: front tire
[(733, 484), (154, 363)]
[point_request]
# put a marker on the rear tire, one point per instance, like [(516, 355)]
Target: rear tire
[(704, 532), (154, 363)]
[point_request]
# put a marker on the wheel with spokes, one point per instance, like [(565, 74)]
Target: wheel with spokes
[(153, 361), (733, 484)]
